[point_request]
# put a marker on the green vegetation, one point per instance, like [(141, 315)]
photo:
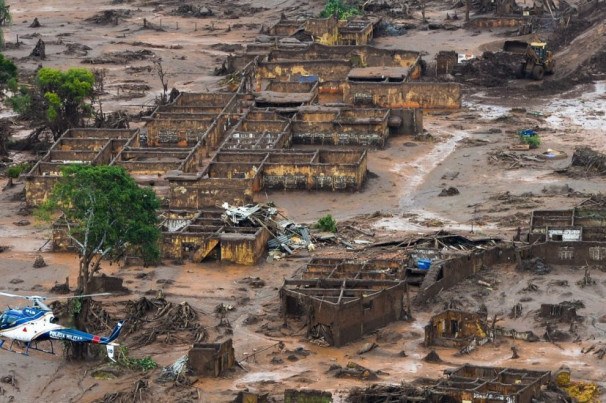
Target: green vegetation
[(8, 70), (533, 141), (135, 364), (327, 223), (56, 99), (65, 96), (339, 9), (15, 170), (5, 18), (107, 214)]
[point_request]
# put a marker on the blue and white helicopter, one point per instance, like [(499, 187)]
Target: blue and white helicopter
[(37, 323)]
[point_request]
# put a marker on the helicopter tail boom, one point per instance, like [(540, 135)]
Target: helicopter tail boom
[(79, 336)]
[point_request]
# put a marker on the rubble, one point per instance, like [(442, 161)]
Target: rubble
[(597, 349), (287, 236), (451, 191), (387, 393), (122, 57), (76, 49), (352, 370), (589, 160), (189, 10), (537, 265), (107, 17)]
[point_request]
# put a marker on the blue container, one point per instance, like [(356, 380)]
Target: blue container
[(527, 133), (424, 264)]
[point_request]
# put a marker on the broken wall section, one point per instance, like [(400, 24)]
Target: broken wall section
[(211, 359)]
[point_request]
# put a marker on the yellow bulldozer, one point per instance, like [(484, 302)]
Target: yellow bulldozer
[(537, 61)]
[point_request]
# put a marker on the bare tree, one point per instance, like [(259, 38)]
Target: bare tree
[(98, 91), (162, 76)]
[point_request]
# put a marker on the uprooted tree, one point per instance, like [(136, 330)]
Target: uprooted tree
[(107, 215)]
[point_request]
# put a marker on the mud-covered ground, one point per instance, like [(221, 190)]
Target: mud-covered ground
[(467, 149)]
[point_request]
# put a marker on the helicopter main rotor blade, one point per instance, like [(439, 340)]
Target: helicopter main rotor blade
[(81, 296), (12, 295)]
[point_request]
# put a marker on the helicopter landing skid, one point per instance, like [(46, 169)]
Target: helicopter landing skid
[(28, 346)]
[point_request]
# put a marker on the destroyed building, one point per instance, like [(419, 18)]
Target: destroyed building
[(467, 330), (211, 359), (469, 383), (453, 328), (482, 384), (340, 95), (75, 146), (454, 258), (341, 301), (574, 237), (327, 31)]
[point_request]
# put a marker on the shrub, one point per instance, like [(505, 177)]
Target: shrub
[(533, 141), (327, 223), (15, 170), (341, 10)]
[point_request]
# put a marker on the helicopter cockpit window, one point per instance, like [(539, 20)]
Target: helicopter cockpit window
[(7, 320)]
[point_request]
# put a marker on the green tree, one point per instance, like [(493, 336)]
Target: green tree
[(106, 214), (65, 96), (5, 18)]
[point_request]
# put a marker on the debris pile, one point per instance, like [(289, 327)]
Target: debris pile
[(451, 191), (139, 393), (287, 236), (598, 349), (512, 159), (106, 17), (121, 57), (189, 10), (153, 318), (352, 370), (589, 160), (175, 372), (76, 49), (536, 265), (387, 393), (491, 70)]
